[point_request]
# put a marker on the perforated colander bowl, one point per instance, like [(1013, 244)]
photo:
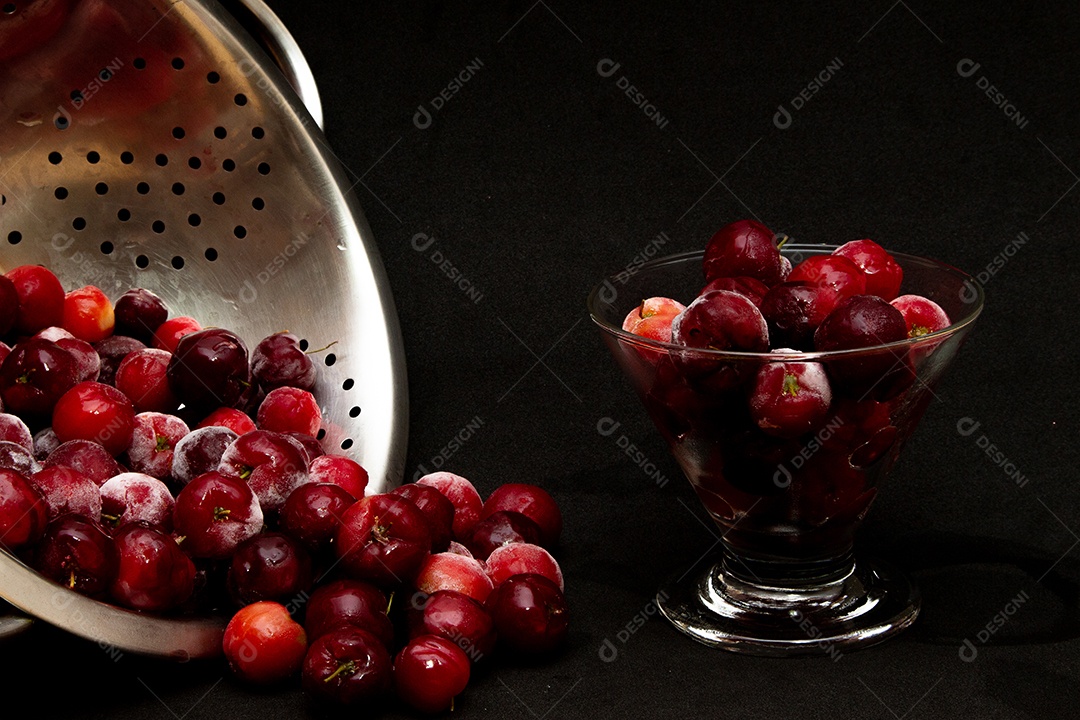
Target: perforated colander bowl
[(153, 144)]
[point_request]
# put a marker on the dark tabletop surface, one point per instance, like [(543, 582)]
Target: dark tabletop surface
[(539, 175)]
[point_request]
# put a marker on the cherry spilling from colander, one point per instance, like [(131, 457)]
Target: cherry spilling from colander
[(785, 390)]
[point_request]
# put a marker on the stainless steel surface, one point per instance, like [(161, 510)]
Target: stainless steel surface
[(152, 144), (275, 39), (13, 622)]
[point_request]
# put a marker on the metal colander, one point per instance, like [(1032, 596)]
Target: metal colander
[(154, 144)]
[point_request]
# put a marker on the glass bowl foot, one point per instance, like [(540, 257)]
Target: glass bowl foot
[(868, 604)]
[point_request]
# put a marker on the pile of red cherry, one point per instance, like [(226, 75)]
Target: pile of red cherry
[(755, 301), (154, 464)]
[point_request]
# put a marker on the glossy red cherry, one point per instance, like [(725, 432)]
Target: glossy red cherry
[(263, 644), (348, 603), (139, 313), (532, 501), (429, 672), (456, 617), (88, 314), (41, 298), (883, 274), (383, 539), (790, 398), (501, 528), (832, 271), (77, 553), (153, 573), (922, 316), (214, 513), (34, 375), (23, 510), (438, 510), (313, 511), (530, 613), (269, 566), (347, 667), (209, 369), (744, 248), (97, 412)]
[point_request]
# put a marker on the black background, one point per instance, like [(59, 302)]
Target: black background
[(540, 176)]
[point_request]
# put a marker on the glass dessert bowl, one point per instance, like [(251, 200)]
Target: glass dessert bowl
[(786, 502)]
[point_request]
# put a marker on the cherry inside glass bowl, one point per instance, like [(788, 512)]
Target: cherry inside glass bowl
[(787, 504)]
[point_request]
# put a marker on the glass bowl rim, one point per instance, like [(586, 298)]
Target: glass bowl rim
[(922, 341)]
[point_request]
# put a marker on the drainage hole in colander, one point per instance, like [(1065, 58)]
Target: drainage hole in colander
[(139, 63), (158, 226), (60, 193), (348, 384), (60, 121), (178, 63), (142, 188), (240, 99), (220, 133), (346, 443), (178, 133), (240, 231), (178, 188), (212, 77), (123, 214), (3, 199), (194, 220), (258, 203), (101, 188), (210, 254), (14, 237), (162, 159), (92, 157), (321, 434), (106, 248), (258, 133), (264, 168), (219, 198), (55, 157), (142, 262), (354, 412), (76, 97), (9, 9), (303, 344), (79, 223), (228, 165), (194, 163), (178, 262), (127, 158), (330, 359)]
